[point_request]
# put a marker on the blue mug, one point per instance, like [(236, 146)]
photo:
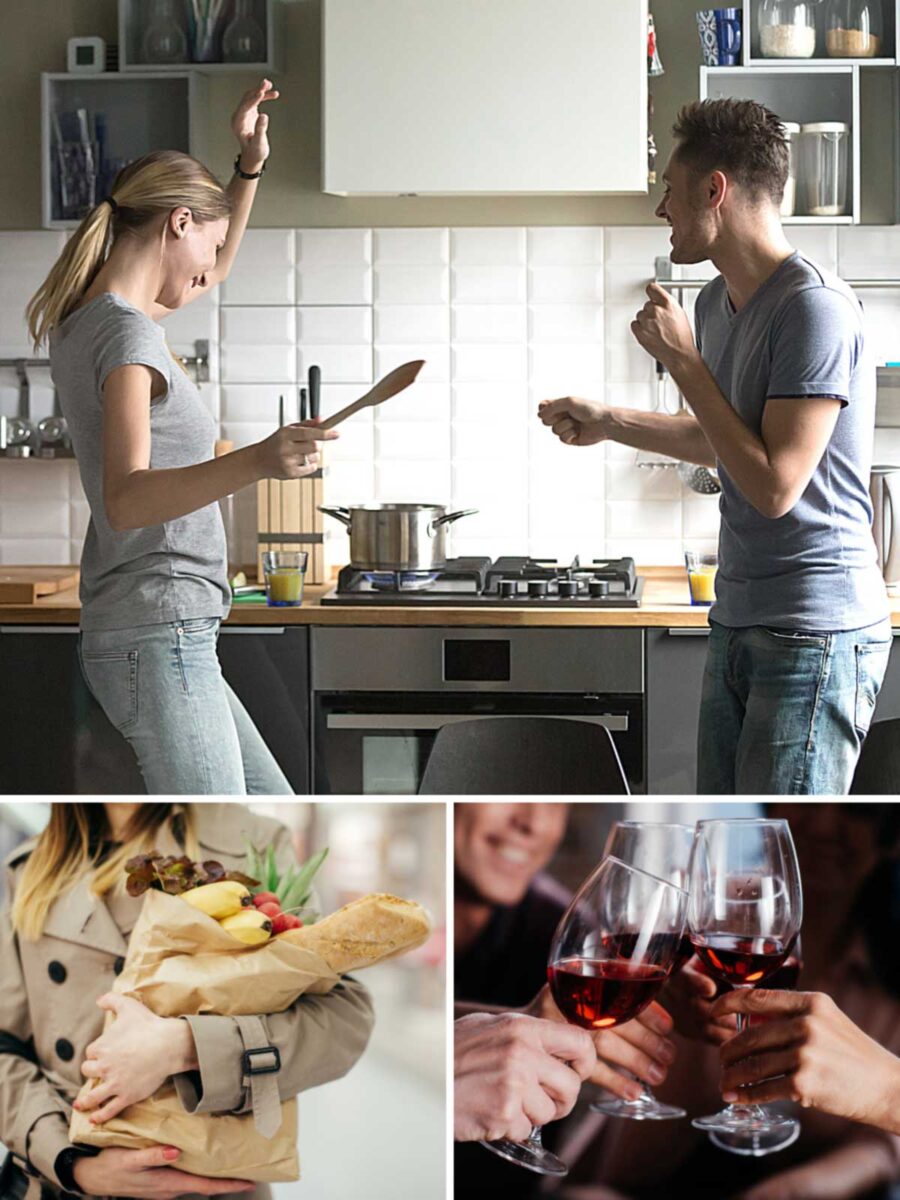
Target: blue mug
[(728, 35)]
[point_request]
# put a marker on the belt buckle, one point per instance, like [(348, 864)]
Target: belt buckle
[(247, 1064)]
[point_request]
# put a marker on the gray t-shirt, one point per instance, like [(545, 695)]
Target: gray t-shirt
[(167, 572), (815, 568)]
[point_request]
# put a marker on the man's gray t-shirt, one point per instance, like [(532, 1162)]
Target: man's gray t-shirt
[(167, 572), (815, 568)]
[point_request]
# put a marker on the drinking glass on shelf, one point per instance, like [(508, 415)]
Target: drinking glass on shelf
[(662, 849), (744, 915), (612, 951)]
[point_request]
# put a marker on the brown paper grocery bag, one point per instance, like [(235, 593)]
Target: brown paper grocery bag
[(181, 962)]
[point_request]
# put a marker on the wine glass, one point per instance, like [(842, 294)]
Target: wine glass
[(663, 849), (744, 916), (612, 951)]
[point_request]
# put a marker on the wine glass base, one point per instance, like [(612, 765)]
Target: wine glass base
[(532, 1158), (756, 1144), (645, 1108)]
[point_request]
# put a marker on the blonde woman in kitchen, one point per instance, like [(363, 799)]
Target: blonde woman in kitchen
[(64, 933), (154, 578)]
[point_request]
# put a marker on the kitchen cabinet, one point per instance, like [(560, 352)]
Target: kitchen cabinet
[(752, 51), (447, 97), (888, 705), (133, 17), (55, 738), (675, 661)]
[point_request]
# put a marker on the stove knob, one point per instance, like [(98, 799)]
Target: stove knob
[(508, 588), (599, 588), (537, 587), (568, 587)]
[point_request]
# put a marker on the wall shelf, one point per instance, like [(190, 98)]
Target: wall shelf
[(132, 19), (751, 54)]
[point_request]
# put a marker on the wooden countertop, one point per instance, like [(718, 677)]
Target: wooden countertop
[(664, 604)]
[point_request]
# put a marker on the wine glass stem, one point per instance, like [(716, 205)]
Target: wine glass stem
[(534, 1138), (745, 1110)]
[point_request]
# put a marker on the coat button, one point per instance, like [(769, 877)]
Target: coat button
[(57, 972), (65, 1050), (118, 965)]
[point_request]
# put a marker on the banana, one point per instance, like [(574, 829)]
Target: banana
[(250, 926), (219, 899)]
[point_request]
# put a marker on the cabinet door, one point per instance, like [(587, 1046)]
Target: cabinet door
[(675, 663), (888, 705), (484, 96)]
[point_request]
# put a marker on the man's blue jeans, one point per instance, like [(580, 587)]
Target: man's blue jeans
[(786, 713), (162, 687)]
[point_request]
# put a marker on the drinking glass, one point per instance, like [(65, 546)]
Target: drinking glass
[(284, 571), (662, 849), (744, 915), (612, 951)]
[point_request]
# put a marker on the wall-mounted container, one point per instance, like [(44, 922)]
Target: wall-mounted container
[(245, 35)]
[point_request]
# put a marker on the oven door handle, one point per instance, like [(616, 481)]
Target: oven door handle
[(614, 722)]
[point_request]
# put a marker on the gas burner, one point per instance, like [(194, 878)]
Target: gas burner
[(400, 581)]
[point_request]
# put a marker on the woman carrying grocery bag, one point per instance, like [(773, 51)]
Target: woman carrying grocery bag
[(64, 934)]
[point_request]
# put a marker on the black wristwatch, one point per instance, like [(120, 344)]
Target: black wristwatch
[(64, 1166), (246, 174)]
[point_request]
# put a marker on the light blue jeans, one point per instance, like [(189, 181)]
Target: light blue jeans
[(785, 713), (162, 687)]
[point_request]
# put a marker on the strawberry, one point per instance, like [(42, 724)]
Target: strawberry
[(281, 923), (271, 909), (266, 898), (296, 923)]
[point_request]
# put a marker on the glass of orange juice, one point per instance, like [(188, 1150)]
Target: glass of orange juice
[(701, 571), (284, 571)]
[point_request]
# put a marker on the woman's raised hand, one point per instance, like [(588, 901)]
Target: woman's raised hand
[(292, 451), (147, 1173), (250, 125)]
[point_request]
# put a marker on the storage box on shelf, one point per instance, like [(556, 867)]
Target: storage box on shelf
[(788, 40), (809, 94), (201, 54), (140, 113)]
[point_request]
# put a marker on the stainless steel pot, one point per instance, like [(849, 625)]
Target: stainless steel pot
[(397, 537)]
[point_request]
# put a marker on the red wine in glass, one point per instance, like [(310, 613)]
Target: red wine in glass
[(598, 994), (622, 945), (740, 961)]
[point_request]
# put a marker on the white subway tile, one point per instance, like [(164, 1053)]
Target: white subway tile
[(411, 439), (263, 272), (501, 519), (405, 283), (626, 284), (408, 481), (50, 552), (477, 482), (489, 285), (256, 404), (334, 247), (569, 244), (643, 518), (637, 244), (887, 446), (700, 514), (816, 242), (247, 433), (566, 284), (463, 546), (347, 483), (647, 552), (562, 532), (259, 364), (211, 397), (334, 284), (489, 322), (334, 325), (339, 364), (34, 518), (497, 246), (508, 402), (487, 363), (355, 441), (184, 326), (869, 251), (489, 439), (258, 327), (408, 323), (626, 360), (437, 361), (28, 479), (628, 481), (411, 245), (421, 402), (556, 323), (573, 369)]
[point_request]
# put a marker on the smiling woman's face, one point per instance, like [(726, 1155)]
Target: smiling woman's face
[(499, 848)]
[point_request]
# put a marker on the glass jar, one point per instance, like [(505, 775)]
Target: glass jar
[(164, 39), (825, 159), (243, 40), (787, 29), (789, 199), (853, 28)]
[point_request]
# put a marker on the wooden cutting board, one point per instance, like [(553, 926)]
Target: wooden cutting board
[(23, 585)]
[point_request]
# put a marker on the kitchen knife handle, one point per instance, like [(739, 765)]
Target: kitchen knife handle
[(303, 409), (315, 383)]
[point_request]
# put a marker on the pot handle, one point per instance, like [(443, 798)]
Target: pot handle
[(449, 518), (341, 514)]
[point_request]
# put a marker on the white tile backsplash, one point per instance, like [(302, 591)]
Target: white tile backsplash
[(504, 317)]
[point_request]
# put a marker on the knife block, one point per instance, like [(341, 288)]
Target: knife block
[(288, 518)]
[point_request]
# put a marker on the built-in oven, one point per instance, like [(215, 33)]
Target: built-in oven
[(380, 695)]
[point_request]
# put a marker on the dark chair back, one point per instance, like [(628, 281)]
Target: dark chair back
[(878, 769), (531, 756)]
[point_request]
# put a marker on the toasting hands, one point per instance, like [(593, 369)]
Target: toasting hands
[(663, 329), (512, 1072), (575, 422)]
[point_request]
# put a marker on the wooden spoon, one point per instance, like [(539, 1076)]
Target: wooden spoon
[(395, 381)]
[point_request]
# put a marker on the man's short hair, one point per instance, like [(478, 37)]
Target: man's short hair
[(739, 137)]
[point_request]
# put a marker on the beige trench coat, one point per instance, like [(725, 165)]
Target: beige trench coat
[(48, 1011)]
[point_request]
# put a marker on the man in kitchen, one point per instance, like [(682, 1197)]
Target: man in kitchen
[(782, 397)]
